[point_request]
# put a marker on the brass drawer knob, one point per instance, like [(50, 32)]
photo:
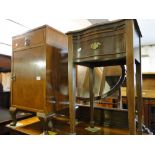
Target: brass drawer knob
[(27, 41), (79, 49), (13, 77)]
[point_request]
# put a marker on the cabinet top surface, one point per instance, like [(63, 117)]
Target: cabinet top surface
[(98, 25)]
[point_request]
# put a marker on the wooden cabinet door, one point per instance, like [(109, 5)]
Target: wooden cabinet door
[(28, 83)]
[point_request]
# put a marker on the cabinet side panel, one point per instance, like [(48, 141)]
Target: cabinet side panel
[(56, 39), (56, 76)]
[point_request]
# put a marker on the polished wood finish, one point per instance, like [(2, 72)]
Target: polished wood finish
[(29, 126), (104, 116), (30, 39), (130, 62), (39, 71), (27, 92), (139, 97), (13, 112), (71, 84), (32, 126), (108, 44), (91, 94), (85, 41), (44, 119)]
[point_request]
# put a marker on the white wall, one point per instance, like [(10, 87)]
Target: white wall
[(148, 58)]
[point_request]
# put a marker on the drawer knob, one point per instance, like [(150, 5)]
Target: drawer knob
[(27, 41), (79, 49), (13, 77), (95, 45)]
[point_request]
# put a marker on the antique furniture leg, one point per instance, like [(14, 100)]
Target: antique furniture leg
[(44, 121), (139, 96), (120, 106), (130, 63), (72, 85), (91, 95), (13, 112), (92, 128), (131, 100)]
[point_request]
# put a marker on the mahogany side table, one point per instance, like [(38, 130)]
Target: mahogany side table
[(107, 44)]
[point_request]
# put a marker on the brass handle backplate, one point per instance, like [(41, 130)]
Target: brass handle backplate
[(13, 77), (95, 45), (27, 41)]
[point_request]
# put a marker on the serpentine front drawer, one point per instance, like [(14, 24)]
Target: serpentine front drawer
[(102, 42)]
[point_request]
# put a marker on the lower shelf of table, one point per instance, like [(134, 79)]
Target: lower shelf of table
[(32, 126)]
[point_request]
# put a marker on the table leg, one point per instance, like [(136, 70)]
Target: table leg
[(131, 99), (91, 94), (92, 127), (72, 85), (139, 97)]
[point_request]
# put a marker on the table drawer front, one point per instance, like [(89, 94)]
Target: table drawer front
[(99, 47), (29, 40), (99, 42)]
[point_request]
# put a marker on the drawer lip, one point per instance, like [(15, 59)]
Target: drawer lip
[(98, 58), (108, 23), (113, 23), (24, 48), (97, 34)]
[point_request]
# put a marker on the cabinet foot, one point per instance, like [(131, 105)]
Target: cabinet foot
[(46, 122), (13, 112)]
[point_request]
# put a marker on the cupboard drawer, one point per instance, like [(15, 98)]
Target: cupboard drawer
[(96, 44), (28, 40)]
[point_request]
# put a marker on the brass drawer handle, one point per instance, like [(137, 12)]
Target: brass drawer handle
[(27, 41), (79, 49), (95, 45), (13, 77)]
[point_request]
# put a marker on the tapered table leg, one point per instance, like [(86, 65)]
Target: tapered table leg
[(131, 85), (92, 127), (91, 94), (72, 86), (139, 97)]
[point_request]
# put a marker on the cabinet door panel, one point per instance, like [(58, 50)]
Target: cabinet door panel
[(28, 86)]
